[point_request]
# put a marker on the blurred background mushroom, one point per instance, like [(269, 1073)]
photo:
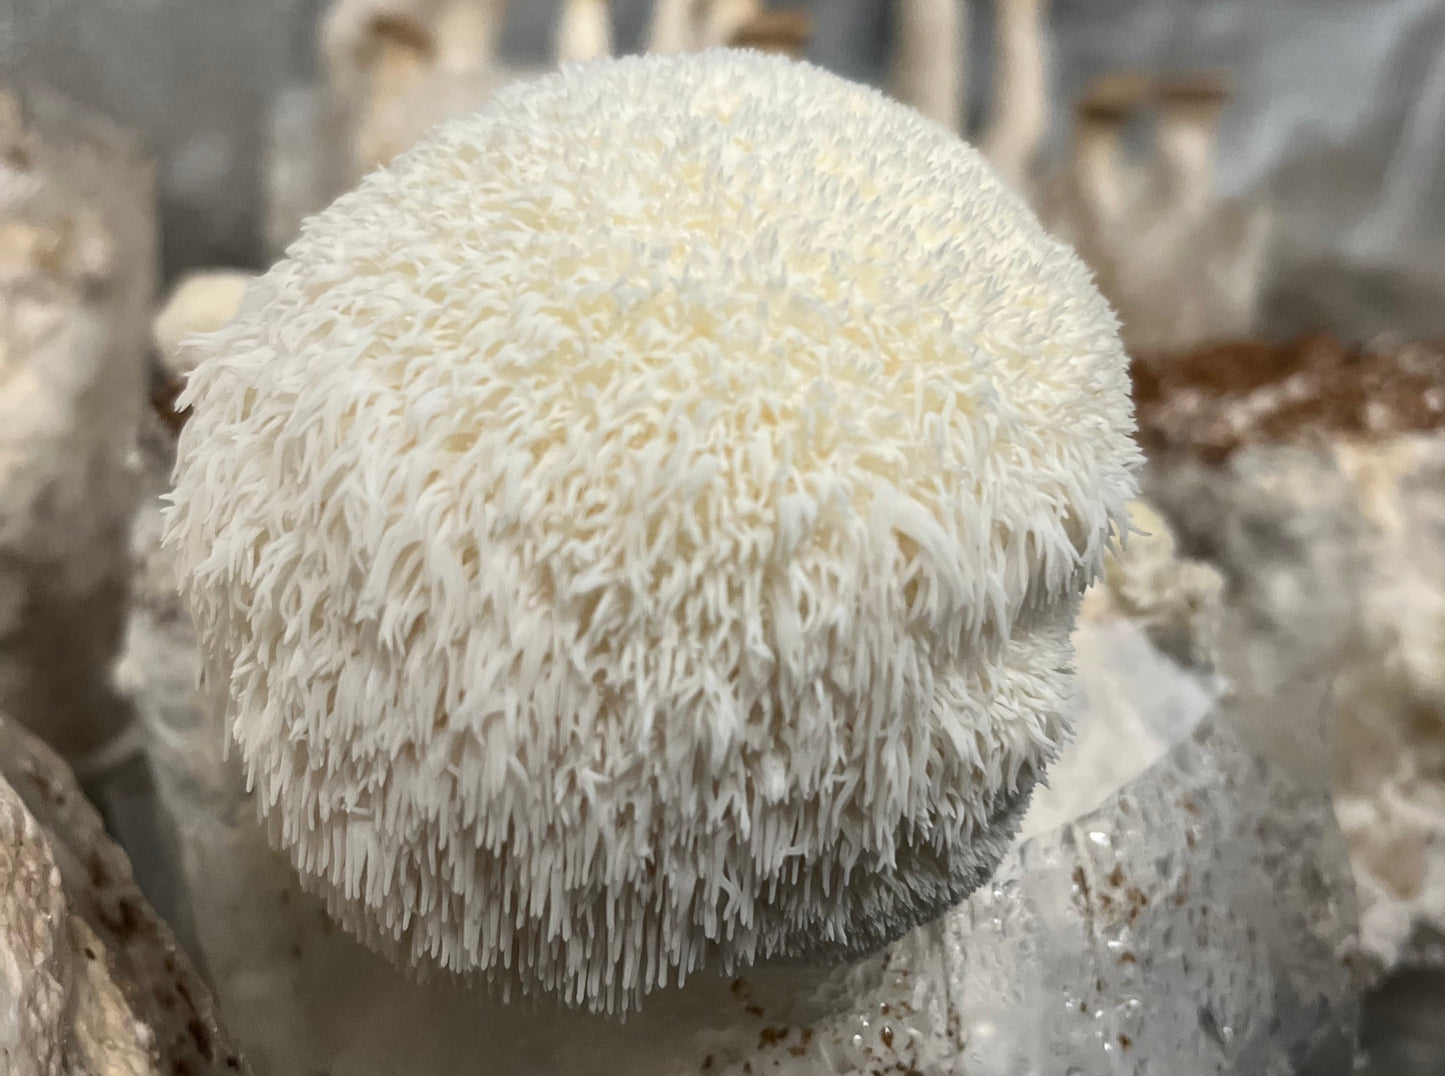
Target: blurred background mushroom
[(1019, 117), (584, 31), (928, 58)]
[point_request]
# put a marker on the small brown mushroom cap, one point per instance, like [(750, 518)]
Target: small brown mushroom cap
[(1113, 98), (1199, 94), (787, 32)]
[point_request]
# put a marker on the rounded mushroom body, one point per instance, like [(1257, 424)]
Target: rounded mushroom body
[(642, 526)]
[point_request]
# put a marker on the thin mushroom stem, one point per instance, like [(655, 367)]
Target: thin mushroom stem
[(1189, 114), (674, 26), (725, 18), (585, 30), (467, 33), (1020, 98), (395, 55), (1096, 163), (928, 58)]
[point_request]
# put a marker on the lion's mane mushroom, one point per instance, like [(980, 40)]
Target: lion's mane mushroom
[(642, 526)]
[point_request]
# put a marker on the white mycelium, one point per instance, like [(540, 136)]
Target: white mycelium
[(642, 526)]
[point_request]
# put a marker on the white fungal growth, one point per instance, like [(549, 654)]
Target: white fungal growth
[(642, 526)]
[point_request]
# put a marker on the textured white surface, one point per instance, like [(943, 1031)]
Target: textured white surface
[(1391, 697), (1192, 922), (648, 503), (1337, 553)]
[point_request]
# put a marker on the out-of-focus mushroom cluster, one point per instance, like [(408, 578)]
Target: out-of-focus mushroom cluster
[(394, 68), (1181, 265)]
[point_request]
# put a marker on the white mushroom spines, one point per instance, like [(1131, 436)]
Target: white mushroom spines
[(643, 525)]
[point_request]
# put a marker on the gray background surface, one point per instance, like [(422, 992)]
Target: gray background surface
[(1339, 115)]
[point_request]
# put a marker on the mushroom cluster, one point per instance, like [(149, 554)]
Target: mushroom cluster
[(641, 527), (395, 68), (1182, 264)]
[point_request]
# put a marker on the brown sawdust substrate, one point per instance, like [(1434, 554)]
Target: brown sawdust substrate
[(1212, 402)]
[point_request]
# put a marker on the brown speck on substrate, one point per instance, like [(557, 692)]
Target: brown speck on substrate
[(1181, 894), (1128, 957), (754, 1010), (95, 867), (1125, 1041), (887, 1036), (771, 1036), (1116, 876)]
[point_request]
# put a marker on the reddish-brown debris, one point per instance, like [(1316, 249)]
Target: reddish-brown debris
[(1212, 402)]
